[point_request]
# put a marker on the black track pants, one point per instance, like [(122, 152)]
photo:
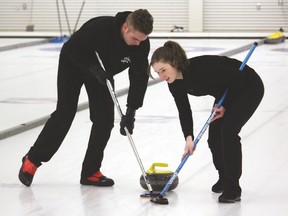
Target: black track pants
[(101, 106), (224, 140)]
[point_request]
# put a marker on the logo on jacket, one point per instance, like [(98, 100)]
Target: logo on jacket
[(126, 60)]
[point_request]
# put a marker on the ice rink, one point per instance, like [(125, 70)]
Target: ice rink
[(28, 96)]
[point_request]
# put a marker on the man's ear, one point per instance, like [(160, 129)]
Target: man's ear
[(125, 26)]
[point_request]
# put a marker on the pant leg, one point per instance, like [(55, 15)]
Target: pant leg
[(215, 145), (234, 119), (102, 116), (69, 83)]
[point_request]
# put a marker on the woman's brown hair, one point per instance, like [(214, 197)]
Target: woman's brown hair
[(171, 53)]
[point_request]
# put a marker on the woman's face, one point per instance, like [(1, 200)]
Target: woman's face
[(166, 72)]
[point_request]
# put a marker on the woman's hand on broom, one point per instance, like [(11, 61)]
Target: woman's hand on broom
[(189, 146)]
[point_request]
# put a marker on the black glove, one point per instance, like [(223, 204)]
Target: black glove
[(98, 73), (128, 121)]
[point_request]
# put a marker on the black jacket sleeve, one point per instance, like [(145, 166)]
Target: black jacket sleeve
[(179, 93), (138, 76)]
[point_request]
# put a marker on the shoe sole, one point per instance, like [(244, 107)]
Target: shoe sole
[(224, 200), (98, 184)]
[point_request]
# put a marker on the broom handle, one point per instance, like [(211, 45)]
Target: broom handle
[(113, 95)]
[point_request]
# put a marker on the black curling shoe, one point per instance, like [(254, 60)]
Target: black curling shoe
[(217, 187), (97, 179)]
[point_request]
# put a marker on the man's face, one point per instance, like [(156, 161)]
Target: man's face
[(131, 36)]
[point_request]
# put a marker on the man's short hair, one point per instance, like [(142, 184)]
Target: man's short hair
[(141, 20)]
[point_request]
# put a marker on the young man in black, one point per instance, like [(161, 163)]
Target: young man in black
[(121, 42)]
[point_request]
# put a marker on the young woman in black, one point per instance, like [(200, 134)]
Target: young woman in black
[(212, 75)]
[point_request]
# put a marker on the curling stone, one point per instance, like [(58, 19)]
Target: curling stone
[(276, 37), (158, 178)]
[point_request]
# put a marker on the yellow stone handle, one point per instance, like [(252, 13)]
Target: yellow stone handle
[(152, 169), (276, 35)]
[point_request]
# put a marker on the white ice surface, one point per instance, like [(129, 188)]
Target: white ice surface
[(28, 85)]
